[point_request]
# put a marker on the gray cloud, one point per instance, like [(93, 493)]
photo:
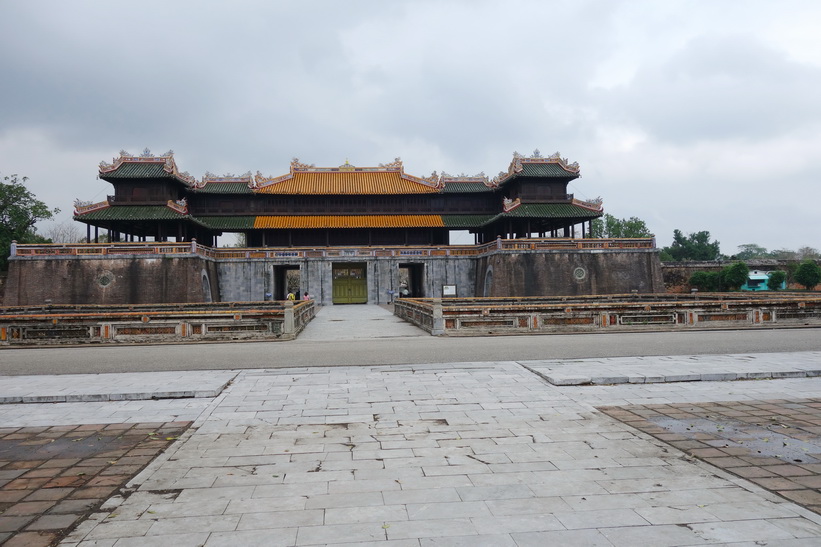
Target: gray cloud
[(659, 102), (722, 87)]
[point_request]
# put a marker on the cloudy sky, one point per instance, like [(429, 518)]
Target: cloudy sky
[(695, 115)]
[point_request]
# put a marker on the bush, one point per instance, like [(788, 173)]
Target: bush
[(705, 281), (776, 279), (808, 274), (735, 275)]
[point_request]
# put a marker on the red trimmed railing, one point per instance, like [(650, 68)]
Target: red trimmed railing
[(168, 248)]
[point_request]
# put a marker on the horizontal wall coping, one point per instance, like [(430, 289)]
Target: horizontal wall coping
[(163, 249)]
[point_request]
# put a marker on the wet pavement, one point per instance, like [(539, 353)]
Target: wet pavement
[(774, 444), (51, 478)]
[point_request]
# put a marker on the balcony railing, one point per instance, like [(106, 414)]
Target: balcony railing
[(193, 248)]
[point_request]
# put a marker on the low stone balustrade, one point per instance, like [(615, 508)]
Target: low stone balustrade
[(633, 312), (46, 325)]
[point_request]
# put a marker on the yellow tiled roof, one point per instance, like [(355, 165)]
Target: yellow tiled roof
[(348, 182), (350, 221)]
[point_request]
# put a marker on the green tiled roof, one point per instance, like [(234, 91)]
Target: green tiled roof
[(544, 170), (224, 188), (147, 170), (465, 221), (551, 210), (227, 222), (465, 187), (132, 212)]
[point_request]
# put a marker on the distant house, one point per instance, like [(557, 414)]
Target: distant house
[(757, 281)]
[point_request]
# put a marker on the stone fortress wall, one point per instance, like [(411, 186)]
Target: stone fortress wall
[(154, 278)]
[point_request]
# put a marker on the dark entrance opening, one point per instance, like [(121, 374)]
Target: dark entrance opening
[(412, 280), (285, 280)]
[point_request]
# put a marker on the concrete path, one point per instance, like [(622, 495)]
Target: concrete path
[(678, 368), (357, 322), (435, 454), (73, 388)]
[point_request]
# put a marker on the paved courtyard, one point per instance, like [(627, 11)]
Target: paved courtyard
[(437, 454), (664, 450)]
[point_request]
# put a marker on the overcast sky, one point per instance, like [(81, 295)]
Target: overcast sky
[(696, 115)]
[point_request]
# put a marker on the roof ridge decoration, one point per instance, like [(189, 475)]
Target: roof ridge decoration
[(479, 177), (167, 159), (396, 166), (518, 159), (595, 204), (180, 206), (83, 207), (510, 204), (209, 177)]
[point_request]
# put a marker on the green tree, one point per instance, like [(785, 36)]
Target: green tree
[(610, 226), (776, 279), (735, 275), (704, 281), (19, 212), (751, 250), (808, 274), (696, 246)]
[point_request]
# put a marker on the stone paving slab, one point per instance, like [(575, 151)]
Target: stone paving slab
[(465, 454), (775, 444), (53, 477), (127, 386), (682, 368)]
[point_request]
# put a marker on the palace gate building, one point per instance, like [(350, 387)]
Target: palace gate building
[(348, 234)]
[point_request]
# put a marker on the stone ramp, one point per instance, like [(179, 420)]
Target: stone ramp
[(357, 321), (677, 368), (133, 386)]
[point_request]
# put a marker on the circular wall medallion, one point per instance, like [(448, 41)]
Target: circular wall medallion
[(579, 273), (105, 279)]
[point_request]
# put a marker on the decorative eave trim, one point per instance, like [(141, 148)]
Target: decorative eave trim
[(83, 207), (515, 166), (593, 205), (208, 178), (510, 204), (167, 159), (432, 181), (261, 181), (447, 178), (180, 206)]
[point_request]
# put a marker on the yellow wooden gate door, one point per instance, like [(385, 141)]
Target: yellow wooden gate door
[(350, 286)]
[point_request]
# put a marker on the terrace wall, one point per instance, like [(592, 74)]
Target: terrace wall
[(143, 279), (560, 273), (137, 273)]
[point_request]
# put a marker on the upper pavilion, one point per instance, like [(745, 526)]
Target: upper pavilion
[(337, 206)]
